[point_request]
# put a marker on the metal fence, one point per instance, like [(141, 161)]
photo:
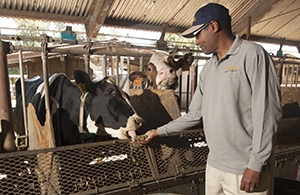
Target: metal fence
[(117, 167), (104, 167), (288, 71)]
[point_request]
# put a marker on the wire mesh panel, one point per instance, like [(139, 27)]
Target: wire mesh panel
[(287, 150), (115, 166), (179, 154), (17, 175), (288, 136), (73, 169)]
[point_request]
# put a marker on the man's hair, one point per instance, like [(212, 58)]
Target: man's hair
[(226, 26)]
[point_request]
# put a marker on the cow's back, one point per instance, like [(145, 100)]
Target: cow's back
[(30, 90), (36, 98)]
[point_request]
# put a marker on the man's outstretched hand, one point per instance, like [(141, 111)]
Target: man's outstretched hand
[(145, 139)]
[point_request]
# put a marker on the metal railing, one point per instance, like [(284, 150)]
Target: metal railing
[(117, 167)]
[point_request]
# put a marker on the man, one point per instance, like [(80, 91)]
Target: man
[(238, 97)]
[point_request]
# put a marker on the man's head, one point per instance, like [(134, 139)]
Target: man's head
[(212, 29), (203, 17)]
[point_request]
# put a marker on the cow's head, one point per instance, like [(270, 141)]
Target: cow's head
[(160, 72), (109, 107)]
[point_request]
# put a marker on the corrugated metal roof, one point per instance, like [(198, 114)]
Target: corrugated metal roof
[(271, 20), (282, 21)]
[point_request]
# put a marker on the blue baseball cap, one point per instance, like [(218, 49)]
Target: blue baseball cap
[(204, 15)]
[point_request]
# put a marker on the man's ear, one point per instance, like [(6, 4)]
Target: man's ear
[(215, 26)]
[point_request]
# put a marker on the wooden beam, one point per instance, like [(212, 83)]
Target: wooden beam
[(96, 16), (256, 12)]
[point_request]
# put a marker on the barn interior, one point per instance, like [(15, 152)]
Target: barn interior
[(176, 167)]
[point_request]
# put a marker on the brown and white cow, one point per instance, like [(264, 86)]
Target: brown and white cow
[(160, 72)]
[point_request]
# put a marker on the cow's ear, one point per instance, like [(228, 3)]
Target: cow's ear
[(188, 58), (185, 62), (172, 62), (83, 81)]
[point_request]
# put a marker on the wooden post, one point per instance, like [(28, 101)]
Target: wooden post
[(87, 56), (248, 27)]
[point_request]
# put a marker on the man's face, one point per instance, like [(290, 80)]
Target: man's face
[(205, 39)]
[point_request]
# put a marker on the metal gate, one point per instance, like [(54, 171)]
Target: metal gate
[(117, 167)]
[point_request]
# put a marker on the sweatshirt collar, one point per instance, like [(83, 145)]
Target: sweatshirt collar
[(234, 49)]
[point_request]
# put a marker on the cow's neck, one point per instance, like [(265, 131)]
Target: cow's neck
[(75, 96)]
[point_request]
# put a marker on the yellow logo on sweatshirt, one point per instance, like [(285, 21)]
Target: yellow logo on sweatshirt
[(232, 69)]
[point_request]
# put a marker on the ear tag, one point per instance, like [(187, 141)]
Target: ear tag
[(82, 87), (137, 82)]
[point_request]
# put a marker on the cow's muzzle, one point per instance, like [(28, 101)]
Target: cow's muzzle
[(133, 123)]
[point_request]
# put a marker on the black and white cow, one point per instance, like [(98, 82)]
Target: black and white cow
[(106, 108)]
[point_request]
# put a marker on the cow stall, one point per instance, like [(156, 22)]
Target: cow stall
[(169, 164)]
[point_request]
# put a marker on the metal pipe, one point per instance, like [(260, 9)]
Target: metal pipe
[(23, 92), (104, 65), (63, 49), (195, 75), (44, 55), (194, 78), (141, 63), (187, 92), (116, 65), (297, 75), (7, 137), (180, 86), (128, 73)]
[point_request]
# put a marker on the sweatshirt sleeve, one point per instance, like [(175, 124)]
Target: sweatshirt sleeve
[(266, 108), (188, 120)]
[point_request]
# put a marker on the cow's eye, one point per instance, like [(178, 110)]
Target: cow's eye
[(149, 69), (112, 92)]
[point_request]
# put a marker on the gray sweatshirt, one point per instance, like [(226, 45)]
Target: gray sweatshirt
[(239, 100)]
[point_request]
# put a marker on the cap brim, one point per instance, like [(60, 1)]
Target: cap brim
[(189, 33)]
